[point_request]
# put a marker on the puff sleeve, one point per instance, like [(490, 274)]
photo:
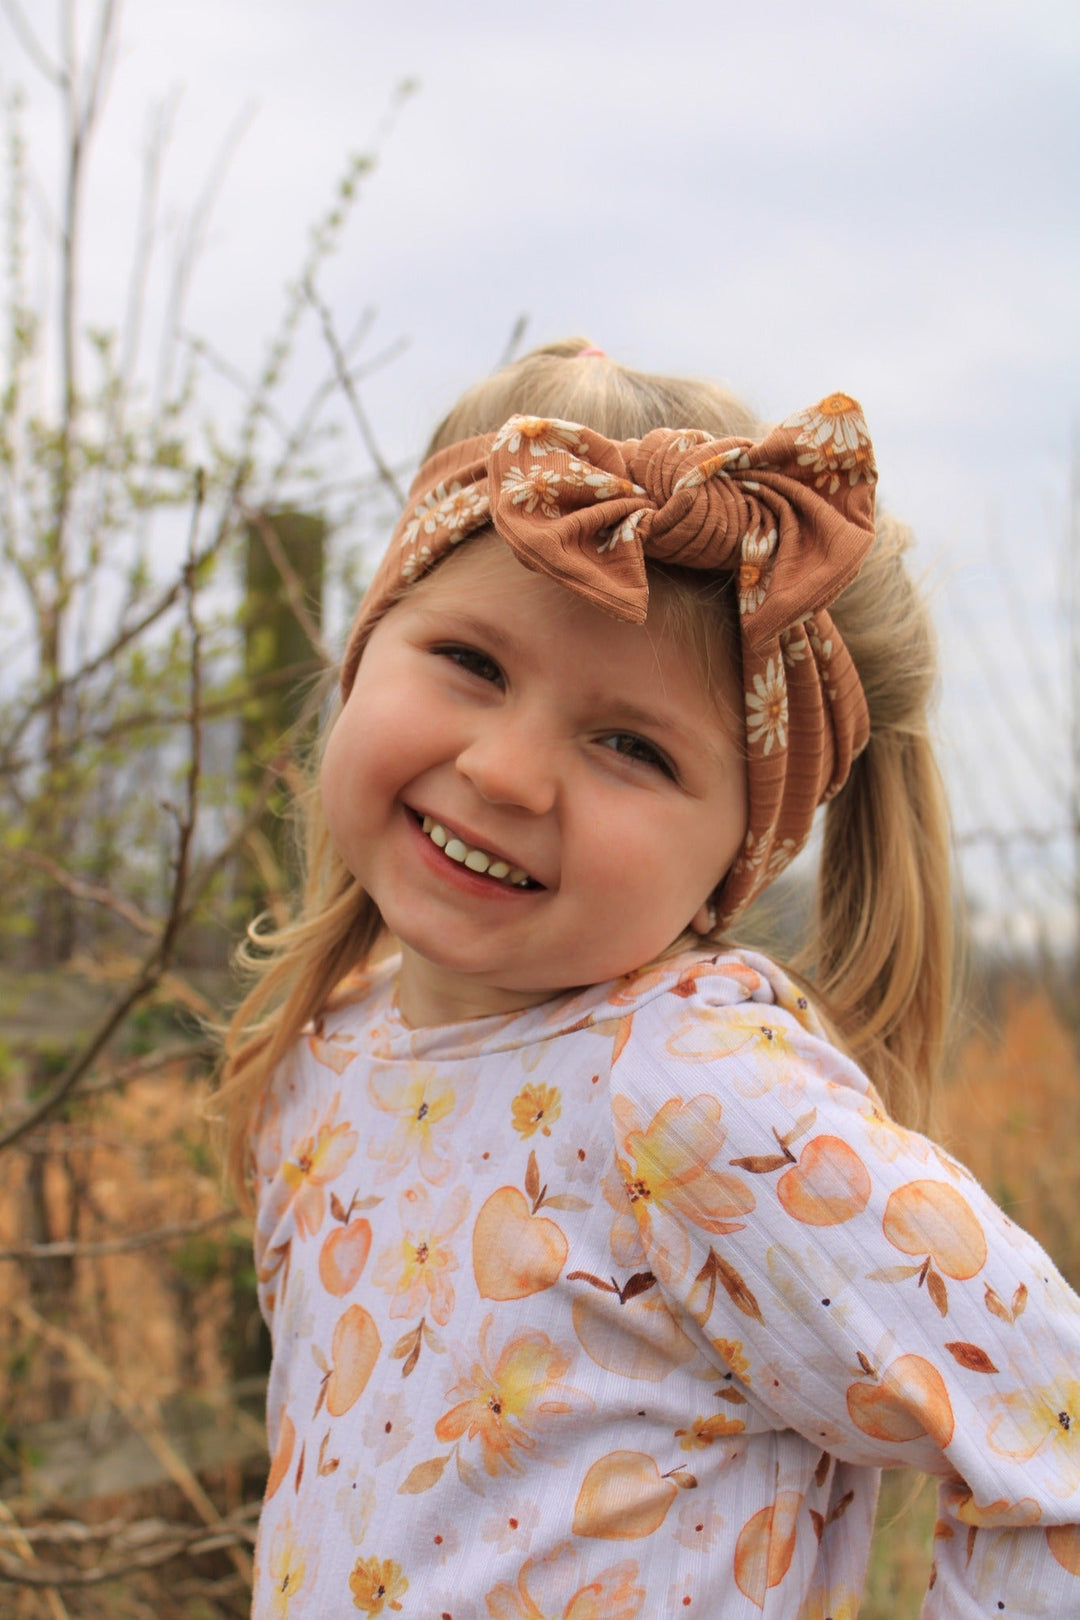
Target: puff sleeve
[(861, 1285)]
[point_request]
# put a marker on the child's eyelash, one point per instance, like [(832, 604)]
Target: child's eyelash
[(638, 748), (473, 661)]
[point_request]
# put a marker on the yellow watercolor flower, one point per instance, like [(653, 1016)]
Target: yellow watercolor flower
[(663, 1179), (288, 1568), (703, 1431), (377, 1584), (508, 1401), (731, 1351), (535, 1108), (421, 1105), (314, 1160)]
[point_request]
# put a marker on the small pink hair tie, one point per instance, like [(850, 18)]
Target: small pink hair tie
[(599, 353)]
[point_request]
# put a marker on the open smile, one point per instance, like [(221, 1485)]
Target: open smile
[(472, 857)]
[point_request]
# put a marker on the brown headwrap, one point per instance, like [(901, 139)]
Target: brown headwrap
[(792, 516)]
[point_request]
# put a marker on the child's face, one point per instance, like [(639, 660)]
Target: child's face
[(536, 729)]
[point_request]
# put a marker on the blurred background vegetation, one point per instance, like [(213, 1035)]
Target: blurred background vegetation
[(163, 585)]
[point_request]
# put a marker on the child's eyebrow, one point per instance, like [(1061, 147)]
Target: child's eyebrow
[(463, 622)]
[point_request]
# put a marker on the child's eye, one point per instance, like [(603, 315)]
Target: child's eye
[(630, 746), (473, 662)]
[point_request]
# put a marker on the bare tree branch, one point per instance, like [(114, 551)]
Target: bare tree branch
[(23, 1547), (81, 890), (294, 585), (349, 388), (513, 342), (128, 1245), (31, 44)]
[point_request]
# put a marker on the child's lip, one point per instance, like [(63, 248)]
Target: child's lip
[(474, 841)]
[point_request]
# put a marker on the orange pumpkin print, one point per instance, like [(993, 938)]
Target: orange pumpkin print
[(829, 1185), (932, 1218), (908, 1401), (623, 1498), (355, 1350), (765, 1547), (515, 1253)]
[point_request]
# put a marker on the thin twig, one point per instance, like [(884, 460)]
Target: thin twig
[(56, 689), (236, 1531), (74, 1533), (294, 585), (22, 1546), (81, 890), (351, 392), (143, 1068), (31, 45), (128, 1245), (513, 342), (162, 720)]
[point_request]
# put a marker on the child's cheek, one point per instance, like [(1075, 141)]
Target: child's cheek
[(334, 785)]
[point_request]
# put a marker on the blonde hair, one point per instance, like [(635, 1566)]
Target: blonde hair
[(880, 959)]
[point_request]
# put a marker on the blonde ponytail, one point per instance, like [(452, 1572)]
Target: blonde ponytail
[(882, 955)]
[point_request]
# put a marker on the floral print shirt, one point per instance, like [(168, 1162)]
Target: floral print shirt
[(615, 1307)]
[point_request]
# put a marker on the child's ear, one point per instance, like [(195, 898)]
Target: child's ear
[(704, 919)]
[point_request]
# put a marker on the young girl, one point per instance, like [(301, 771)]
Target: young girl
[(601, 1282)]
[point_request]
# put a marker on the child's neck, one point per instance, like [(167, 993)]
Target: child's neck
[(429, 995)]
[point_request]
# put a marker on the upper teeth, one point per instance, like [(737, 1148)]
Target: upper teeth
[(477, 860)]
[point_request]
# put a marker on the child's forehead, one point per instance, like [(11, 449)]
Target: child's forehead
[(487, 572)]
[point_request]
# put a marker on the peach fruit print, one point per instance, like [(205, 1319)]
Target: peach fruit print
[(613, 1308)]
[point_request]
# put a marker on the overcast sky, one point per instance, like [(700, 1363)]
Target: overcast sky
[(879, 198)]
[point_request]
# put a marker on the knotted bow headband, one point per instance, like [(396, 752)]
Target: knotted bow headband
[(791, 516)]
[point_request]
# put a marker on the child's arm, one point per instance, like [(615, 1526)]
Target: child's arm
[(883, 1306)]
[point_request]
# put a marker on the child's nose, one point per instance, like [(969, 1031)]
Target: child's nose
[(512, 764)]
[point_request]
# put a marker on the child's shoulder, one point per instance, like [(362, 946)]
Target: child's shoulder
[(734, 977)]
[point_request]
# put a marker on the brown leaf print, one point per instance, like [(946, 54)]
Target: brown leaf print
[(935, 1287), (970, 1356), (736, 1289), (424, 1476), (763, 1164), (997, 1306)]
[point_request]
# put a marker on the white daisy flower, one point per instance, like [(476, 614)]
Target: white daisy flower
[(767, 708), (623, 532), (459, 512), (536, 487), (792, 650), (541, 434), (757, 548), (835, 441), (606, 486), (783, 853), (718, 466)]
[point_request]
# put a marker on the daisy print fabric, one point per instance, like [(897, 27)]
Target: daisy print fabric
[(615, 1307)]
